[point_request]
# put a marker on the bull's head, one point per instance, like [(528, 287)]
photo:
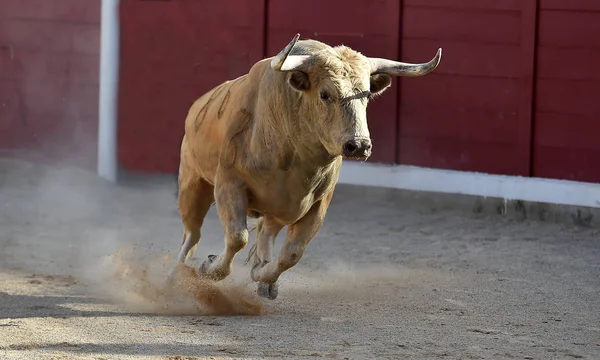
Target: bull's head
[(335, 85)]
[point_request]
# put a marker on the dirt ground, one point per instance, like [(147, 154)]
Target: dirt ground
[(82, 263)]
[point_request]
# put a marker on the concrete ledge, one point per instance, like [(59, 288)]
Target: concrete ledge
[(469, 183), (520, 198), (518, 210)]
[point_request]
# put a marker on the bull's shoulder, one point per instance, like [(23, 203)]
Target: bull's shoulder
[(226, 99), (217, 105), (236, 138)]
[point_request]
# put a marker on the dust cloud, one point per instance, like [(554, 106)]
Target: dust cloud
[(138, 282), (64, 221), (341, 278)]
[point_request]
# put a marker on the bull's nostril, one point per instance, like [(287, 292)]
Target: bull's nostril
[(350, 148)]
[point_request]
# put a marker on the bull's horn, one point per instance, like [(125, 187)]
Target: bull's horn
[(390, 67), (284, 62)]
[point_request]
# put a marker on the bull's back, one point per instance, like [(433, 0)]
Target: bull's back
[(206, 125)]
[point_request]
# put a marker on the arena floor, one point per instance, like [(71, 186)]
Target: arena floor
[(81, 262)]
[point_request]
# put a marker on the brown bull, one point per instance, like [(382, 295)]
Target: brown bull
[(270, 144)]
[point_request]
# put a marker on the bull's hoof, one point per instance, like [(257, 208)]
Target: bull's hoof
[(258, 265), (204, 268), (209, 269), (266, 290)]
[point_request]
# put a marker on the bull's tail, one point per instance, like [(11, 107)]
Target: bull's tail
[(252, 252)]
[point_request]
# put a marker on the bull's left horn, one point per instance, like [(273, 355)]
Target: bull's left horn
[(396, 68), (286, 62)]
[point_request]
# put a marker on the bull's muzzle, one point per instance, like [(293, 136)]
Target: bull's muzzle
[(357, 148)]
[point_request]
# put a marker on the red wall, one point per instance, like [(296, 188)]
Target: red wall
[(49, 63), (467, 114), (567, 103), (171, 53), (515, 92)]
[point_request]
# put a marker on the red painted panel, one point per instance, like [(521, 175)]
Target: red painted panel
[(375, 34), (10, 114), (467, 4), (503, 27), (459, 91), (154, 146), (33, 34), (576, 164), (568, 96), (463, 58), (61, 138), (64, 99), (365, 17), (568, 84), (456, 122), (569, 29), (31, 65), (50, 35), (86, 39), (8, 64), (173, 52), (62, 10), (568, 63), (572, 5), (471, 113), (487, 157), (567, 131), (49, 78)]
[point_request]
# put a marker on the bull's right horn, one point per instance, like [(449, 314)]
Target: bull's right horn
[(286, 62), (397, 68)]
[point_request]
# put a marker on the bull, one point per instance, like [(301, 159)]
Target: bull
[(269, 145)]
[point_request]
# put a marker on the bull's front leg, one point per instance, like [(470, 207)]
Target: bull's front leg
[(266, 273), (232, 203)]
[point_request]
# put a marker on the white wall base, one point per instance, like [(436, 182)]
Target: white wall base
[(469, 183)]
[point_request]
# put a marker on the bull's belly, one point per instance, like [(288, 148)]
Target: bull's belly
[(285, 211), (287, 203)]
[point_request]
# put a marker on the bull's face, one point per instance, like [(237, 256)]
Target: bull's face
[(335, 90), (335, 85)]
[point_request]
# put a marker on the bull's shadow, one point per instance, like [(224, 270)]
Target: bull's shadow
[(183, 351), (29, 306)]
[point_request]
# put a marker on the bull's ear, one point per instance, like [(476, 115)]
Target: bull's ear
[(299, 80), (379, 83)]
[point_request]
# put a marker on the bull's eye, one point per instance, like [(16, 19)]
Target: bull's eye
[(325, 96)]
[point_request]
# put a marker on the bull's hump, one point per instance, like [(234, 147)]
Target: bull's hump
[(216, 102)]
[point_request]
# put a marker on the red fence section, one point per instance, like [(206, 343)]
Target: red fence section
[(171, 53), (466, 115), (515, 92), (567, 108), (49, 63)]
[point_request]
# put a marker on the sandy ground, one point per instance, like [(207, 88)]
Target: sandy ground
[(82, 263)]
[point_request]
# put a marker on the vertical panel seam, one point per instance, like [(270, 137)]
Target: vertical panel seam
[(398, 87), (530, 30), (265, 27)]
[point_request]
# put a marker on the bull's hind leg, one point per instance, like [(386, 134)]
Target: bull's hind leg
[(298, 236), (232, 206), (195, 198)]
